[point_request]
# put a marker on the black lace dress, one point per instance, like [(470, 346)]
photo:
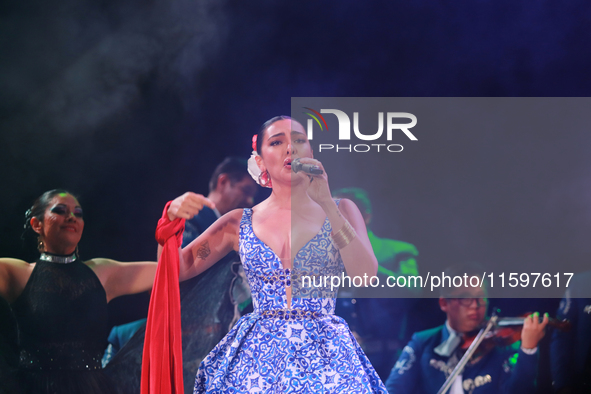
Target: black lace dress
[(62, 321)]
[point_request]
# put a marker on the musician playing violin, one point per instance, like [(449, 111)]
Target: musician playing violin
[(431, 355)]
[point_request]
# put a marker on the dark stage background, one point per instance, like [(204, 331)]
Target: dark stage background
[(129, 104)]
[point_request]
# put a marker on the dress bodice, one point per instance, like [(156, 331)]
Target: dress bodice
[(62, 318), (300, 350), (268, 279)]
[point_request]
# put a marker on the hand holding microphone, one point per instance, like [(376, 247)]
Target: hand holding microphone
[(318, 191), (297, 166)]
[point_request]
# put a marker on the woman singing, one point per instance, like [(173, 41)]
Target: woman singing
[(288, 344), (60, 301)]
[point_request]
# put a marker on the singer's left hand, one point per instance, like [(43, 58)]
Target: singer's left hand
[(318, 188)]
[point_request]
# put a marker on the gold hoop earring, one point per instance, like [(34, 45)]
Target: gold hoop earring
[(264, 176), (40, 245)]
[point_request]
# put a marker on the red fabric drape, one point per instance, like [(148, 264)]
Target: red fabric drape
[(162, 361)]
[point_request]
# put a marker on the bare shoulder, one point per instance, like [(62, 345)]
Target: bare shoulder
[(14, 275), (103, 267), (15, 266), (234, 215), (262, 206), (7, 261), (100, 265), (348, 207), (263, 210), (231, 219), (351, 212), (227, 227), (99, 262)]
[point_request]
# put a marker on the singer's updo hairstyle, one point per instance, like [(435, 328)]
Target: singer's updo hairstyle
[(264, 128), (38, 208)]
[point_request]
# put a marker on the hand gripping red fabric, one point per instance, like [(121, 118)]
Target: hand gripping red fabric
[(162, 361)]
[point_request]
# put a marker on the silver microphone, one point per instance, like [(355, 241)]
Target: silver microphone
[(297, 166)]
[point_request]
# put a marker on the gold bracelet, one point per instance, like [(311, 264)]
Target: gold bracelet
[(344, 236)]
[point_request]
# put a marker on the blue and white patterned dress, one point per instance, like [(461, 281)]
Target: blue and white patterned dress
[(305, 349)]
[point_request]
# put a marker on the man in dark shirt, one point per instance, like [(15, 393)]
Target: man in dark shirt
[(230, 187)]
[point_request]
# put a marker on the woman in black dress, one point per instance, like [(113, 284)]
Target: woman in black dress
[(60, 301)]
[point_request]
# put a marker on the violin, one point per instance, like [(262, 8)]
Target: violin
[(495, 332), (505, 332)]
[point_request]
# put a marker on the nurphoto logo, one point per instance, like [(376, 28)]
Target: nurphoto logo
[(393, 125)]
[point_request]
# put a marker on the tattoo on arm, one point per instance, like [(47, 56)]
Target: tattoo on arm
[(203, 251)]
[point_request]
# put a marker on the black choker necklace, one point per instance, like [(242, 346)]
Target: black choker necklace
[(52, 258)]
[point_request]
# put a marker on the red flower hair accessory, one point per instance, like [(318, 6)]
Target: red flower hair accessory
[(254, 142)]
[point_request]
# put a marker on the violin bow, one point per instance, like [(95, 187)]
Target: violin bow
[(466, 357)]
